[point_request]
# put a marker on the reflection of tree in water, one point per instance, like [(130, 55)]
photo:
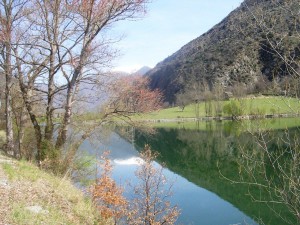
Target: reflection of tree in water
[(274, 168), (202, 155)]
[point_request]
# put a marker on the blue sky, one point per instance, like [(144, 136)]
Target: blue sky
[(167, 26)]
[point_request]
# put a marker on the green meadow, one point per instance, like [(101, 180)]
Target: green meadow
[(247, 106)]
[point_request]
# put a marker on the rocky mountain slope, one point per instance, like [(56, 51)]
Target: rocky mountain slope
[(258, 40)]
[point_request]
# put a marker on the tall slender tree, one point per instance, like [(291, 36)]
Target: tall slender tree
[(11, 12)]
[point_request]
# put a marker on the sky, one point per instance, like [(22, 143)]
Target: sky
[(166, 27)]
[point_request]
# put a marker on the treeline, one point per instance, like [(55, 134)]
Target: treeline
[(213, 97)]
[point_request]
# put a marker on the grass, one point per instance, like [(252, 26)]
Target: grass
[(250, 106), (26, 171), (63, 203), (23, 216), (272, 105)]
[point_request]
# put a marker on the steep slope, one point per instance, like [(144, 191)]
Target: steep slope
[(242, 48), (142, 71), (31, 196)]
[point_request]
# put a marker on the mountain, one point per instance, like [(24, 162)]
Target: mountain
[(142, 71), (92, 96), (246, 47)]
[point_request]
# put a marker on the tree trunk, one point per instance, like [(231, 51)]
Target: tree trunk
[(71, 92), (52, 33), (8, 86), (23, 118), (36, 126), (8, 113), (49, 128), (62, 135)]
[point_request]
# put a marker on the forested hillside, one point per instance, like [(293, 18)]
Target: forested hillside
[(256, 45)]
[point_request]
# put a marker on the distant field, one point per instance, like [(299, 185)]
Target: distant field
[(249, 106)]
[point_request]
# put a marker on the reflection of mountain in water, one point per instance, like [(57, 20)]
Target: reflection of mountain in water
[(199, 156)]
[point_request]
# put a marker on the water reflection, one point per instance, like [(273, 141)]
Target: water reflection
[(198, 205), (195, 158), (202, 155)]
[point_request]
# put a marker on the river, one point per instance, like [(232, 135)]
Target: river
[(199, 160)]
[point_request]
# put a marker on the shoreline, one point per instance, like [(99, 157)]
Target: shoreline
[(220, 118)]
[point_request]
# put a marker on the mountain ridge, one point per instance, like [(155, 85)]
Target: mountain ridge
[(234, 51)]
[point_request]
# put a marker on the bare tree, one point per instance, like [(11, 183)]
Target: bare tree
[(131, 94), (94, 17), (151, 205), (196, 89), (20, 118), (107, 195), (275, 170), (182, 100), (6, 30), (59, 46), (11, 12), (218, 93)]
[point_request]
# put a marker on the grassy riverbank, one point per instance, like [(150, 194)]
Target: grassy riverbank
[(242, 108), (271, 105), (239, 126), (31, 196)]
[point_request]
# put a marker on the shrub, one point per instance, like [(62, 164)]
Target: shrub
[(233, 108), (107, 196), (150, 205)]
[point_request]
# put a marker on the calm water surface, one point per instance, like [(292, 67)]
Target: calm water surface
[(194, 159)]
